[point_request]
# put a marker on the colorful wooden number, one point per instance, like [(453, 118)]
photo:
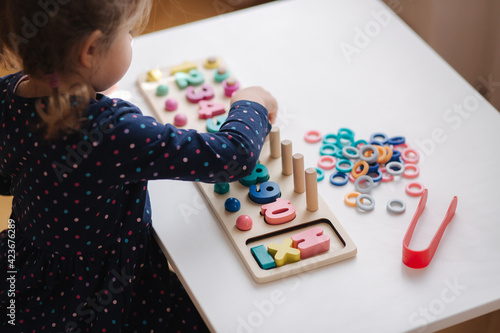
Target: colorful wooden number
[(278, 212), (283, 253), (205, 92), (311, 242), (259, 175), (268, 192), (263, 258), (184, 67), (210, 109), (194, 78), (214, 124)]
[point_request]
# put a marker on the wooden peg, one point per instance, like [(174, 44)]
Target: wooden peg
[(298, 173), (286, 157), (311, 190), (275, 142)]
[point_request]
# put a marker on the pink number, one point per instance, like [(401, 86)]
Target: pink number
[(278, 212)]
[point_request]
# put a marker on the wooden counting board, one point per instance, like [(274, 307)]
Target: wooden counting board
[(326, 241), (149, 82)]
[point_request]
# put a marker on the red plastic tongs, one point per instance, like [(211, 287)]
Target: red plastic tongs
[(422, 258)]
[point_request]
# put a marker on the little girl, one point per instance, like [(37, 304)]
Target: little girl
[(78, 165)]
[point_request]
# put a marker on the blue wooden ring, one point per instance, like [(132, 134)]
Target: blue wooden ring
[(396, 210), (378, 177), (344, 169), (396, 156), (376, 143), (397, 140), (339, 183), (328, 146), (373, 167), (362, 206), (378, 136), (320, 174)]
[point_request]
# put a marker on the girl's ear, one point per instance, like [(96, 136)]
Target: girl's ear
[(89, 51)]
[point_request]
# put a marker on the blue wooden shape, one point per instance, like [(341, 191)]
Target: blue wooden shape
[(259, 175), (214, 124), (268, 192), (232, 205), (263, 258)]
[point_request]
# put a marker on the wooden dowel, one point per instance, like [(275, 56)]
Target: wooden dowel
[(286, 157), (298, 173), (275, 142), (311, 190)]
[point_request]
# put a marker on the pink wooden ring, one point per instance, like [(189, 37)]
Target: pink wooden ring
[(351, 178), (414, 171), (313, 136), (400, 147), (410, 155), (415, 193), (326, 162), (386, 177)]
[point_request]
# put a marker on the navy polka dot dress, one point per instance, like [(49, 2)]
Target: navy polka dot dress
[(86, 260)]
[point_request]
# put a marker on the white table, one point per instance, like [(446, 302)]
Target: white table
[(387, 80)]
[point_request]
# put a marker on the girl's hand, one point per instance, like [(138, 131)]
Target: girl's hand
[(258, 95)]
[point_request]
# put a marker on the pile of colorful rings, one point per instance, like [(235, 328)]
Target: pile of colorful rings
[(366, 163)]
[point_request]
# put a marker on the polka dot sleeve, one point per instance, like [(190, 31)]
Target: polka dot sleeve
[(135, 147), (4, 186)]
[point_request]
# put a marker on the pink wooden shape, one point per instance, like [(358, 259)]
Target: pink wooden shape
[(311, 242), (210, 109), (278, 212)]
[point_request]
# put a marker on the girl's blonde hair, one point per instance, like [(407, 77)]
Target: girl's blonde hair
[(43, 38)]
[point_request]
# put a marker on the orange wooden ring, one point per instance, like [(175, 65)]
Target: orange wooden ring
[(382, 153), (363, 172), (349, 196), (388, 154)]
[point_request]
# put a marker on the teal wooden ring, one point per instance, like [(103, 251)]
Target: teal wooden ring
[(357, 143), (342, 137), (347, 131), (324, 149), (320, 174), (338, 154), (343, 169), (327, 139)]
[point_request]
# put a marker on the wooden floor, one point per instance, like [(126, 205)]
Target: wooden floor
[(169, 13)]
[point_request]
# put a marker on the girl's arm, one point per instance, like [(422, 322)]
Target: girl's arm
[(137, 147)]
